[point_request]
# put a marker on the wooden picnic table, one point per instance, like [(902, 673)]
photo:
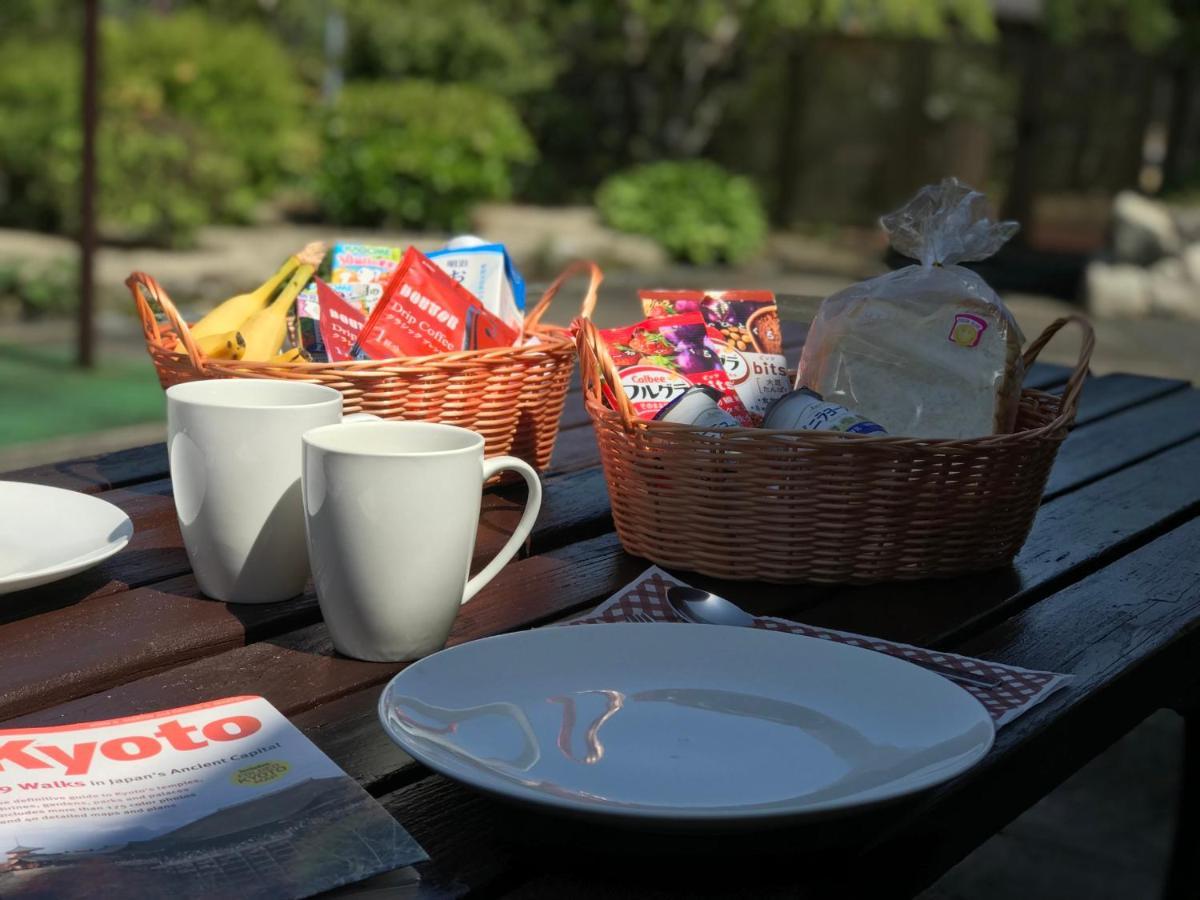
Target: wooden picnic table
[(1107, 588)]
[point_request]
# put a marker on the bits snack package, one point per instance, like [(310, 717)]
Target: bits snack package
[(750, 335), (423, 310), (364, 265), (487, 271), (660, 359), (927, 351)]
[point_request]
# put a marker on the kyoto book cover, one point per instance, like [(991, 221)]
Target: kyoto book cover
[(225, 798)]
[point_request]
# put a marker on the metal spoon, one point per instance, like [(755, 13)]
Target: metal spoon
[(705, 608)]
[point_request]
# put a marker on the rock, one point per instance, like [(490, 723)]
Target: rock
[(1187, 222), (1191, 262), (1143, 230), (543, 239), (1171, 292), (1117, 291)]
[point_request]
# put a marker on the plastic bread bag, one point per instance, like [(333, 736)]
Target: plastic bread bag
[(928, 350)]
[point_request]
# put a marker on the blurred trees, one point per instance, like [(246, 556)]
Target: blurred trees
[(200, 120), (835, 108)]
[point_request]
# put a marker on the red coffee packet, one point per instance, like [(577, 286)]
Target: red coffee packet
[(341, 323), (423, 310), (659, 359)]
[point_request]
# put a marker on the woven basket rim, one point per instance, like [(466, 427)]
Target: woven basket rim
[(174, 337)]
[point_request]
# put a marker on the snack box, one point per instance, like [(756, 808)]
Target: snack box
[(423, 311), (366, 265), (487, 271), (660, 359)]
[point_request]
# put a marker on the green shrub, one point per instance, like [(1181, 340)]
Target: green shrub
[(418, 154), (699, 212), (40, 289), (198, 122)]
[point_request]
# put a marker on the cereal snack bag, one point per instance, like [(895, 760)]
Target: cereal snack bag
[(929, 350), (747, 323), (659, 359)]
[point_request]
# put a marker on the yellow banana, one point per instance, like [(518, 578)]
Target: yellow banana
[(233, 312), (287, 356), (230, 345), (265, 330)]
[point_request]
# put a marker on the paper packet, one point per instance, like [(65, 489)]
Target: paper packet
[(424, 311)]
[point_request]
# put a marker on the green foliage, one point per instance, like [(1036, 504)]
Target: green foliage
[(199, 120), (1148, 24), (418, 154), (233, 81), (500, 45), (39, 290), (699, 212)]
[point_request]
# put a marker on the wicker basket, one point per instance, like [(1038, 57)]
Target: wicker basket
[(513, 396), (820, 506)]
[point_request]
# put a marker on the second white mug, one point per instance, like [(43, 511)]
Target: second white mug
[(392, 509)]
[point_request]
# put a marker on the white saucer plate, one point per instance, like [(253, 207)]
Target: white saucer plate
[(683, 725), (48, 533)]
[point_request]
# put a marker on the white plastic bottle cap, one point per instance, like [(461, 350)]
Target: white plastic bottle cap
[(458, 242)]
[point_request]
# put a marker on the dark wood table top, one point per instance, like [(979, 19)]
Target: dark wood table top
[(1107, 588)]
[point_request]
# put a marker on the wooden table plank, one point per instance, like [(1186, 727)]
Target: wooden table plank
[(576, 507), (1069, 540), (299, 670), (102, 472), (1075, 534), (1115, 393), (1107, 445), (170, 623), (1128, 633)]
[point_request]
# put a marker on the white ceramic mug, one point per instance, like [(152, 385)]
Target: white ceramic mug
[(234, 448), (392, 509)]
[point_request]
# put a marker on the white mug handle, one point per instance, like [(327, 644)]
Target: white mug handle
[(532, 506), (360, 417)]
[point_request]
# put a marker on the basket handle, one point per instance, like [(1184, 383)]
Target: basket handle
[(596, 365), (595, 276), (140, 285), (1075, 381)]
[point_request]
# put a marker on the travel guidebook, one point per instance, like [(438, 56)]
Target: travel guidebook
[(222, 799)]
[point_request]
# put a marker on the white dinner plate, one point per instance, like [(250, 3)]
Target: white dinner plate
[(687, 725), (48, 533)]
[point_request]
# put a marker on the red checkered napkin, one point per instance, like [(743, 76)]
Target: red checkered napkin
[(1019, 690)]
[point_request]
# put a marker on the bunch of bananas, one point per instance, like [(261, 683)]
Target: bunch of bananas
[(253, 326)]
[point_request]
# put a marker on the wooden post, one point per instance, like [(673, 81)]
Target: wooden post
[(87, 209)]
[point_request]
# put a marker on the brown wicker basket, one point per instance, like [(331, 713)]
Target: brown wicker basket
[(513, 396), (820, 506)]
